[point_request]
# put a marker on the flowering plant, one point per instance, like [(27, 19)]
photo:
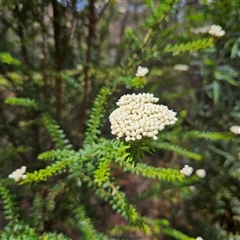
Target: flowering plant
[(80, 174)]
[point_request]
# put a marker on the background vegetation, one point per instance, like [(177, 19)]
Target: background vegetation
[(64, 64)]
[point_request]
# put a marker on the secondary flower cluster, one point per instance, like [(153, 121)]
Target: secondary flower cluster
[(235, 129), (180, 67), (186, 170), (141, 71), (138, 116), (216, 31), (18, 174), (201, 173)]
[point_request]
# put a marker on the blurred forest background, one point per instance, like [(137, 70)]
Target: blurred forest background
[(61, 52)]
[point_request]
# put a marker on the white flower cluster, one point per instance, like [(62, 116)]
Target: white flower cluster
[(216, 30), (186, 170), (141, 71), (18, 174), (138, 117), (199, 238)]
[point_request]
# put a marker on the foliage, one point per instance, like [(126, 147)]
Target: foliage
[(62, 72)]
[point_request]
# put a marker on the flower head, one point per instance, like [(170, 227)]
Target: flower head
[(18, 174), (201, 173), (141, 71), (216, 31), (138, 116), (199, 238), (186, 170)]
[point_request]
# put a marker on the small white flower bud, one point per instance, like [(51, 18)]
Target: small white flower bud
[(235, 129), (138, 137), (181, 67), (201, 173), (127, 138)]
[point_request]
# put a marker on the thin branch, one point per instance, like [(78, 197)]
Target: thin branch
[(20, 32), (103, 10), (90, 39), (57, 60), (43, 48), (144, 42)]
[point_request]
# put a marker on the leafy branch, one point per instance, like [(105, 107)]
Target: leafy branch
[(166, 174), (190, 46)]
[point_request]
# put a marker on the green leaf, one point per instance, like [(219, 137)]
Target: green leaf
[(25, 102), (8, 59), (178, 149)]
